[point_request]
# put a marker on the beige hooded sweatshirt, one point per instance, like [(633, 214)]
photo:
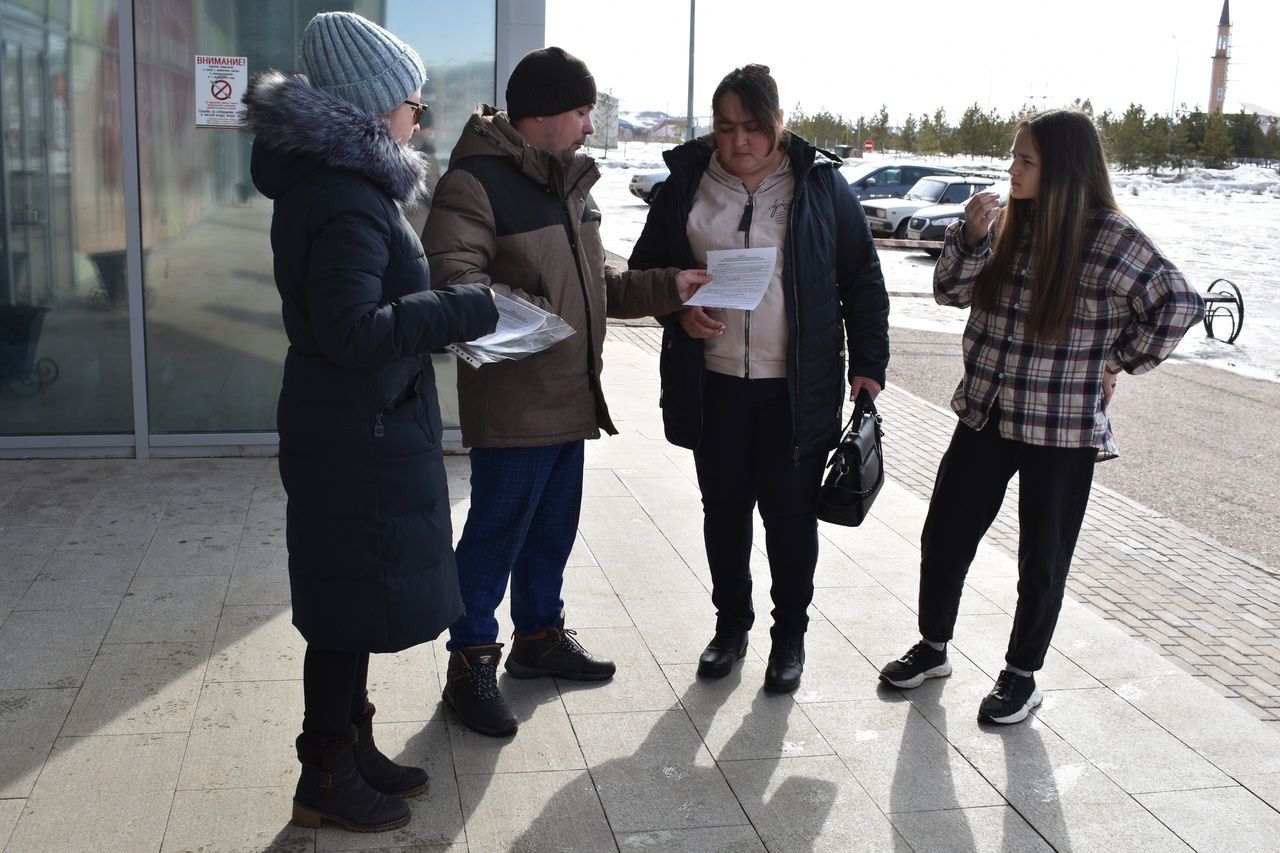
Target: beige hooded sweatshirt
[(754, 343)]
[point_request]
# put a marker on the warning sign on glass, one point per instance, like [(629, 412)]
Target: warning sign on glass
[(220, 84)]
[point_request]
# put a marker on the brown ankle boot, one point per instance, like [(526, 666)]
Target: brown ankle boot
[(331, 789), (557, 652), (380, 772)]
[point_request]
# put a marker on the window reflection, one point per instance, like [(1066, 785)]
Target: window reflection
[(64, 354), (215, 345)]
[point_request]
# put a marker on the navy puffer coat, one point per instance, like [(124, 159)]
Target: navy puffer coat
[(835, 295), (371, 563)]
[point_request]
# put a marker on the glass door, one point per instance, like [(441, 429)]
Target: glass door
[(27, 245), (64, 354)]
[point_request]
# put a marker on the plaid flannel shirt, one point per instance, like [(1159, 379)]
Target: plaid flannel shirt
[(1133, 309)]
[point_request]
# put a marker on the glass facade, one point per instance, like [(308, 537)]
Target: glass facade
[(212, 344), (64, 346)]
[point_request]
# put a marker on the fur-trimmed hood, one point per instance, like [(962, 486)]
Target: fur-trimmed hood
[(299, 128)]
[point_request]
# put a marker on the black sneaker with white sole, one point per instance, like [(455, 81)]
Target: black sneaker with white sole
[(1010, 700), (920, 662)]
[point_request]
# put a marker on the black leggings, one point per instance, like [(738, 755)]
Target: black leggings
[(333, 692), (745, 459)]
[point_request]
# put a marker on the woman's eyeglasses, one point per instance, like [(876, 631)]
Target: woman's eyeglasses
[(418, 110)]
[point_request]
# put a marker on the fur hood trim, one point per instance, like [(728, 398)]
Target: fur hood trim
[(290, 115)]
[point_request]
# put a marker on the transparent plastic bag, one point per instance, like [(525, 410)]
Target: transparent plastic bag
[(523, 329)]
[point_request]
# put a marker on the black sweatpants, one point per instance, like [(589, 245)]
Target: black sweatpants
[(1053, 484), (745, 458), (333, 692)]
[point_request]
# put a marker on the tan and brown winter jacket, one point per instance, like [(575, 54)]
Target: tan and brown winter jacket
[(514, 217)]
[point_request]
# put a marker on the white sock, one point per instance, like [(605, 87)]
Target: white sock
[(1017, 671)]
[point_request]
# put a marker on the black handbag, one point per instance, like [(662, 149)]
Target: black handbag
[(856, 468)]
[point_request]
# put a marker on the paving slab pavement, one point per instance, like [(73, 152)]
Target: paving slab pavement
[(150, 692)]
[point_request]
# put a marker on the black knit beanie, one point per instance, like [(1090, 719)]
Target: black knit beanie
[(548, 82)]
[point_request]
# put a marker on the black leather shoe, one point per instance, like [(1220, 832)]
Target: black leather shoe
[(786, 664), (472, 691), (718, 657)]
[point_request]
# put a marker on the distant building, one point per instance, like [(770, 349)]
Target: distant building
[(650, 126), (1218, 81), (1266, 118)]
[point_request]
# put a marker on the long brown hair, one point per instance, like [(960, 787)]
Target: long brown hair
[(1074, 185), (757, 89)]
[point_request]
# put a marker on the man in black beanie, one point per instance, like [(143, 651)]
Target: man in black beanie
[(514, 211)]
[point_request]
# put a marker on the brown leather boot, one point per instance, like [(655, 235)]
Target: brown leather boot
[(380, 772), (557, 652), (331, 789)]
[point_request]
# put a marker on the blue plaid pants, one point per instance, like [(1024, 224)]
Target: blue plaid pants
[(525, 503)]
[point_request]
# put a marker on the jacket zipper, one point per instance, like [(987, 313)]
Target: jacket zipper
[(582, 283), (788, 272), (744, 225)]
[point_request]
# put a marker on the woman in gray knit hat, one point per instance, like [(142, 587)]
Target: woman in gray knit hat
[(371, 567)]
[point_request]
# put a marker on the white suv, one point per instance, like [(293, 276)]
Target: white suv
[(890, 215), (646, 185)]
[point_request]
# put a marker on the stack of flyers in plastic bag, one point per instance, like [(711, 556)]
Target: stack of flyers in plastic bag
[(523, 329)]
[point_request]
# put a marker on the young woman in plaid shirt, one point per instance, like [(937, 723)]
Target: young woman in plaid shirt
[(1065, 293)]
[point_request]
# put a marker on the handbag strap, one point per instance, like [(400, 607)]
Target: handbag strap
[(863, 407)]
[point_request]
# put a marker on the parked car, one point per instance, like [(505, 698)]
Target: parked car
[(646, 185), (930, 223), (889, 216), (888, 180)]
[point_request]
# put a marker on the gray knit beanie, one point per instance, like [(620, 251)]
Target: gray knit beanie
[(547, 82), (352, 58)]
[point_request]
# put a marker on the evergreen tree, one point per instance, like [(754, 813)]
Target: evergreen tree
[(929, 139), (1127, 138), (946, 136), (1196, 122), (1246, 134), (1180, 146), (971, 135), (1106, 126), (907, 136), (879, 127), (1216, 151), (1154, 151), (822, 128)]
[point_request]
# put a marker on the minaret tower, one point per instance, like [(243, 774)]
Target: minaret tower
[(1218, 86)]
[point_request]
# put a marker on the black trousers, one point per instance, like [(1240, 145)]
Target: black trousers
[(1053, 484), (745, 459), (333, 692)]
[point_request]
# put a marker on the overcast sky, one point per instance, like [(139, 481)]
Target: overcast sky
[(849, 58)]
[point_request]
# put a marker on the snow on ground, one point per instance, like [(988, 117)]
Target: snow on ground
[(1211, 223)]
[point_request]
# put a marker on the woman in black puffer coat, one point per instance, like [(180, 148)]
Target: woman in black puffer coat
[(371, 567), (757, 394)]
